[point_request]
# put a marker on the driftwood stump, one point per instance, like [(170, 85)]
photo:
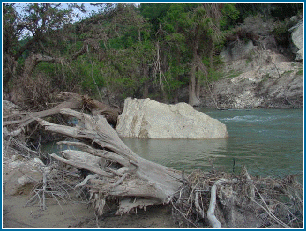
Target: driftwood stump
[(132, 180)]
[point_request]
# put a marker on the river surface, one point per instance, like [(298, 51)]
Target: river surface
[(269, 142)]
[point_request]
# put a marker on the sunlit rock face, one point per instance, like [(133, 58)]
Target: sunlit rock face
[(145, 118)]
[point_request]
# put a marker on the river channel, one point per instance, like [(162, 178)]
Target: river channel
[(269, 142)]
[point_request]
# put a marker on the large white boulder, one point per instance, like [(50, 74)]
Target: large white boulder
[(145, 118)]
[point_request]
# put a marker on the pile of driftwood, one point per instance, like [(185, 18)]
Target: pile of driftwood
[(118, 178), (219, 199)]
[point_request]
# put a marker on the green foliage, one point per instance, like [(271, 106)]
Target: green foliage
[(214, 75), (172, 82), (47, 68), (91, 76), (266, 77), (280, 29), (279, 11), (229, 16), (281, 33), (285, 10), (154, 13), (131, 50), (118, 43)]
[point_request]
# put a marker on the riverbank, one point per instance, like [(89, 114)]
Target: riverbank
[(261, 79), (77, 214)]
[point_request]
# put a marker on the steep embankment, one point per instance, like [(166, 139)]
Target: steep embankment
[(263, 79), (262, 75)]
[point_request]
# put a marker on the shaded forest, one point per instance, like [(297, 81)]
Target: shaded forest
[(125, 50)]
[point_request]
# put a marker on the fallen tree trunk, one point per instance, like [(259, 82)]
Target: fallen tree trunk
[(134, 181)]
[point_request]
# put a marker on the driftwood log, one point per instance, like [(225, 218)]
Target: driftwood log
[(132, 180), (72, 101)]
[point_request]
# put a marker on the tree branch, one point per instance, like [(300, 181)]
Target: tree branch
[(82, 166)]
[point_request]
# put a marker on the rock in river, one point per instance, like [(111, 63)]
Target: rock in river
[(145, 118)]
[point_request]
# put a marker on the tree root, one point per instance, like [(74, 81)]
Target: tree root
[(47, 188), (124, 175)]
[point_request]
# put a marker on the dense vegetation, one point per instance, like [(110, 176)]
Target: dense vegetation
[(151, 50)]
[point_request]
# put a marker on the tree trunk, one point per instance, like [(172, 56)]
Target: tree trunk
[(176, 94), (198, 88), (134, 181), (34, 59), (146, 89), (193, 98), (146, 82), (211, 57)]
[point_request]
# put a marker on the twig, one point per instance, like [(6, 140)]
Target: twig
[(89, 177), (249, 179), (119, 181), (44, 190), (198, 208), (211, 93), (267, 210), (97, 220), (54, 196), (98, 90), (183, 215)]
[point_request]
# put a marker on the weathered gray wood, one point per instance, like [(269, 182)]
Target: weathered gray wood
[(82, 165), (132, 176), (73, 101)]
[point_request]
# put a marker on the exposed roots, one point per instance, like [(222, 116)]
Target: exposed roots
[(224, 200), (57, 183)]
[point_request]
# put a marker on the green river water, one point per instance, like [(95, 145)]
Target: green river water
[(266, 141), (269, 142)]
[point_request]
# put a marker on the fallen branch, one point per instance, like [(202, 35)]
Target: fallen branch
[(72, 101), (82, 166), (89, 177), (215, 223)]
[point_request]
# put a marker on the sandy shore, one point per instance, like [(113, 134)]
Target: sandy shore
[(77, 215)]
